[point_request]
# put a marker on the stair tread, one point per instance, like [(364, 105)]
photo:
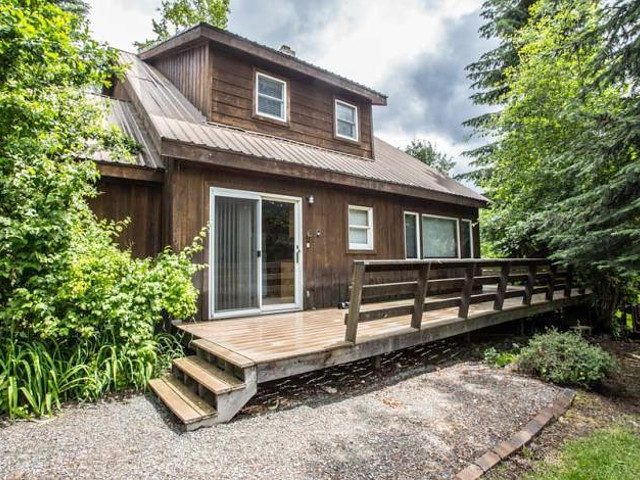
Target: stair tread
[(224, 353), (184, 403), (207, 375)]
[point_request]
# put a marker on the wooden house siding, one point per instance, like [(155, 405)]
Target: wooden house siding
[(310, 116), (327, 262), (139, 201), (190, 72)]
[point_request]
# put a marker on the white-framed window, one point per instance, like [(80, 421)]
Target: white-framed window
[(466, 239), (360, 228), (346, 117), (411, 235), (271, 97), (440, 237)]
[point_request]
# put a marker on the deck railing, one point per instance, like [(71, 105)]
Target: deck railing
[(512, 277)]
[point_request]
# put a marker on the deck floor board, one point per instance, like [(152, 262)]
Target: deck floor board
[(270, 338)]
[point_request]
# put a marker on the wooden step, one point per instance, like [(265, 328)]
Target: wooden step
[(185, 404), (224, 353), (207, 375)]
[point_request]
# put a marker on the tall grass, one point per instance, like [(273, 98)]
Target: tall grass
[(36, 377)]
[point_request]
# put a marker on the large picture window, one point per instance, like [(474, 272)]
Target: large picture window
[(439, 237), (360, 228), (271, 97)]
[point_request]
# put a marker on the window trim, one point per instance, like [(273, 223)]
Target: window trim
[(285, 98), (457, 220), (470, 222), (417, 216), (356, 121), (369, 246)]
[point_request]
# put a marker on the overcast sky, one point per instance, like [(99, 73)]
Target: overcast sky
[(414, 51)]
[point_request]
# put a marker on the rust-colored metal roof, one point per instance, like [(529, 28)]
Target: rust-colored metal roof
[(172, 117), (122, 114)]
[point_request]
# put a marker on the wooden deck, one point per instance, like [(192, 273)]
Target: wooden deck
[(292, 343)]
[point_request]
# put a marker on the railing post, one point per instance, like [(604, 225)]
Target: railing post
[(569, 281), (505, 269), (467, 288), (421, 293), (354, 302), (531, 281), (553, 273)]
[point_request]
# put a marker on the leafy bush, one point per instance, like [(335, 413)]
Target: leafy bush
[(77, 314), (565, 358), (500, 359)]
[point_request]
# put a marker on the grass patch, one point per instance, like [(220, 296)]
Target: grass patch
[(609, 454)]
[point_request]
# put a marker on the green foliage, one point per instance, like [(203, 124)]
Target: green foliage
[(426, 152), (177, 15), (564, 168), (565, 358), (37, 377), (77, 314), (609, 454), (501, 359)]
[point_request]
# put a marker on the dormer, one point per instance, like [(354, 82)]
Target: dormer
[(236, 82)]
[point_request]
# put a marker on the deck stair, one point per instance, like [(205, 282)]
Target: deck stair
[(207, 388)]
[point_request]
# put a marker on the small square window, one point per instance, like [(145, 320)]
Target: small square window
[(271, 97), (360, 228), (346, 120)]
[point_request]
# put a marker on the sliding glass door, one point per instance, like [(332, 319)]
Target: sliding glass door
[(256, 257)]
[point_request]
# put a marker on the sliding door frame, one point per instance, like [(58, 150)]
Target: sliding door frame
[(298, 252)]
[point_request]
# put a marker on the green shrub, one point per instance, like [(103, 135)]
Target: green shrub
[(501, 359), (565, 358)]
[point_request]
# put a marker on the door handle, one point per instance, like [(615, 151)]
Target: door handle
[(297, 253), (259, 253)]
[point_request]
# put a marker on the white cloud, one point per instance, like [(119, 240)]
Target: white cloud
[(122, 22)]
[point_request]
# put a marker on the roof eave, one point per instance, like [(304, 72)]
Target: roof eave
[(205, 31)]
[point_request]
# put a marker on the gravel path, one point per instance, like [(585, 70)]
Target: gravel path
[(416, 424)]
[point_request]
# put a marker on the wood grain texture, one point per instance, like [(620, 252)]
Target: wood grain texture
[(140, 202), (327, 264)]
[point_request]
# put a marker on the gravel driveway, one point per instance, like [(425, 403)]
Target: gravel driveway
[(416, 424)]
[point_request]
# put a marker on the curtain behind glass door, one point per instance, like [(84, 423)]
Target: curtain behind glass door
[(235, 268)]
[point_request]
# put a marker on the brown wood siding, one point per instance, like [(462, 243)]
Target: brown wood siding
[(311, 106), (139, 201), (189, 71), (327, 263)]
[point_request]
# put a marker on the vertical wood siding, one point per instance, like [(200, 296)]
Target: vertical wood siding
[(327, 263), (139, 201), (189, 71), (311, 104)]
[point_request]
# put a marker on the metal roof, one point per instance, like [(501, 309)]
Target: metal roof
[(122, 114), (172, 117)]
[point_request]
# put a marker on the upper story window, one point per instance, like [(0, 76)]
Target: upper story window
[(346, 116), (271, 97), (360, 228)]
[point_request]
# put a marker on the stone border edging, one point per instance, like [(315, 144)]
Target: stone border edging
[(498, 453)]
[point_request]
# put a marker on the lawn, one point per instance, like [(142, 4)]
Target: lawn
[(611, 453)]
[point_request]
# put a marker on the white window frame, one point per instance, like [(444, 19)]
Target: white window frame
[(418, 237), (470, 222), (355, 119), (368, 228), (283, 99), (457, 220)]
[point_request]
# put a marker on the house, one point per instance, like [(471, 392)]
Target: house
[(279, 157), (307, 209)]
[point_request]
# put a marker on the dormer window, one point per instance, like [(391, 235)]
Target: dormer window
[(346, 116), (271, 97)]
